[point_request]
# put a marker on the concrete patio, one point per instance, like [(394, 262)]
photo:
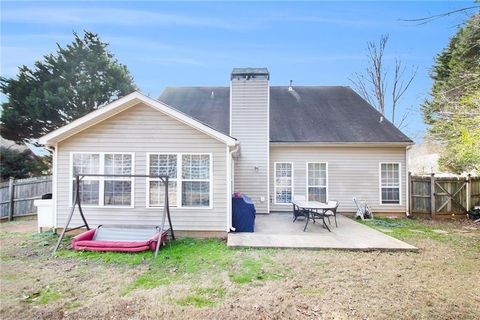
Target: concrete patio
[(278, 231)]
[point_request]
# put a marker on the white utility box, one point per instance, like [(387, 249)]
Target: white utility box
[(45, 218)]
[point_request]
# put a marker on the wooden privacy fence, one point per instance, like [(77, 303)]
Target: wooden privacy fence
[(443, 196), (17, 196)]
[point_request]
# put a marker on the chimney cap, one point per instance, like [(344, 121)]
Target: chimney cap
[(249, 73)]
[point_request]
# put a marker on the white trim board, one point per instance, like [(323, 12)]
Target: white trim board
[(122, 104)]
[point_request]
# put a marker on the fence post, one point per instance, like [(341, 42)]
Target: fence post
[(469, 193), (432, 195), (11, 195), (410, 191)]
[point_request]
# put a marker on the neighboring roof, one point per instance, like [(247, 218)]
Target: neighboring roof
[(12, 145), (38, 151), (9, 144), (309, 114), (122, 104)]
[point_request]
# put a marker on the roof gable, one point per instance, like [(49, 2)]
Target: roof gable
[(123, 104)]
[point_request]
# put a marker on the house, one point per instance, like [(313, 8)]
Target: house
[(269, 142)]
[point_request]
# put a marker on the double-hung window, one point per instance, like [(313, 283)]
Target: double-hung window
[(195, 180), (165, 165), (390, 183), (317, 181), (89, 187), (117, 190), (283, 182), (101, 190), (190, 180)]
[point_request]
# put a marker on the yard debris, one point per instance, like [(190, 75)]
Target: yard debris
[(387, 223), (416, 231), (24, 297), (438, 231)]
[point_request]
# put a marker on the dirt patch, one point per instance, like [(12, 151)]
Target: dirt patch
[(439, 282), (22, 226)]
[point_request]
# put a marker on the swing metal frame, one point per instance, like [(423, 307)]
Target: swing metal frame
[(77, 203)]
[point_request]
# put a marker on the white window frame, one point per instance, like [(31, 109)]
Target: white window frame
[(275, 183), (399, 184), (326, 179), (177, 204), (180, 180), (101, 180)]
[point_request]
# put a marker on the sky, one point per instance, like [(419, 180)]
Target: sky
[(198, 43)]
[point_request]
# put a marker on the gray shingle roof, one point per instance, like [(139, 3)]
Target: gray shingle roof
[(304, 114)]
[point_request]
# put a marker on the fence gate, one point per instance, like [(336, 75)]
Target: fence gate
[(443, 196)]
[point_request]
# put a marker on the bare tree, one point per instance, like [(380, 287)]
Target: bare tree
[(429, 19), (400, 85), (372, 84)]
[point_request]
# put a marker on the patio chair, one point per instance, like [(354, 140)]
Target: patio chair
[(317, 215), (332, 212), (297, 211), (363, 210)]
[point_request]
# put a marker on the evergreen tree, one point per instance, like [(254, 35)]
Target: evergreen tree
[(65, 85), (21, 164), (453, 112)]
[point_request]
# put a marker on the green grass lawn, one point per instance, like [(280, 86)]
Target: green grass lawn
[(185, 259), (415, 230), (202, 278)]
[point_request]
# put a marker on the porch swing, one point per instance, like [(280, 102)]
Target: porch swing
[(120, 238)]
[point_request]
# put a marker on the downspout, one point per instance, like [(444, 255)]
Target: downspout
[(230, 174), (407, 193)]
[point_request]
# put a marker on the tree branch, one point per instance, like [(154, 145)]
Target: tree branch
[(437, 16)]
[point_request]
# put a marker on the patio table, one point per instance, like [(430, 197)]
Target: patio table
[(313, 208)]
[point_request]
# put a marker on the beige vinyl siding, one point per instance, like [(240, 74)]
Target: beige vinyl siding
[(141, 130), (352, 172), (250, 125)]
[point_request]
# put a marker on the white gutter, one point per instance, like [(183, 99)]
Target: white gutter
[(229, 186), (340, 144)]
